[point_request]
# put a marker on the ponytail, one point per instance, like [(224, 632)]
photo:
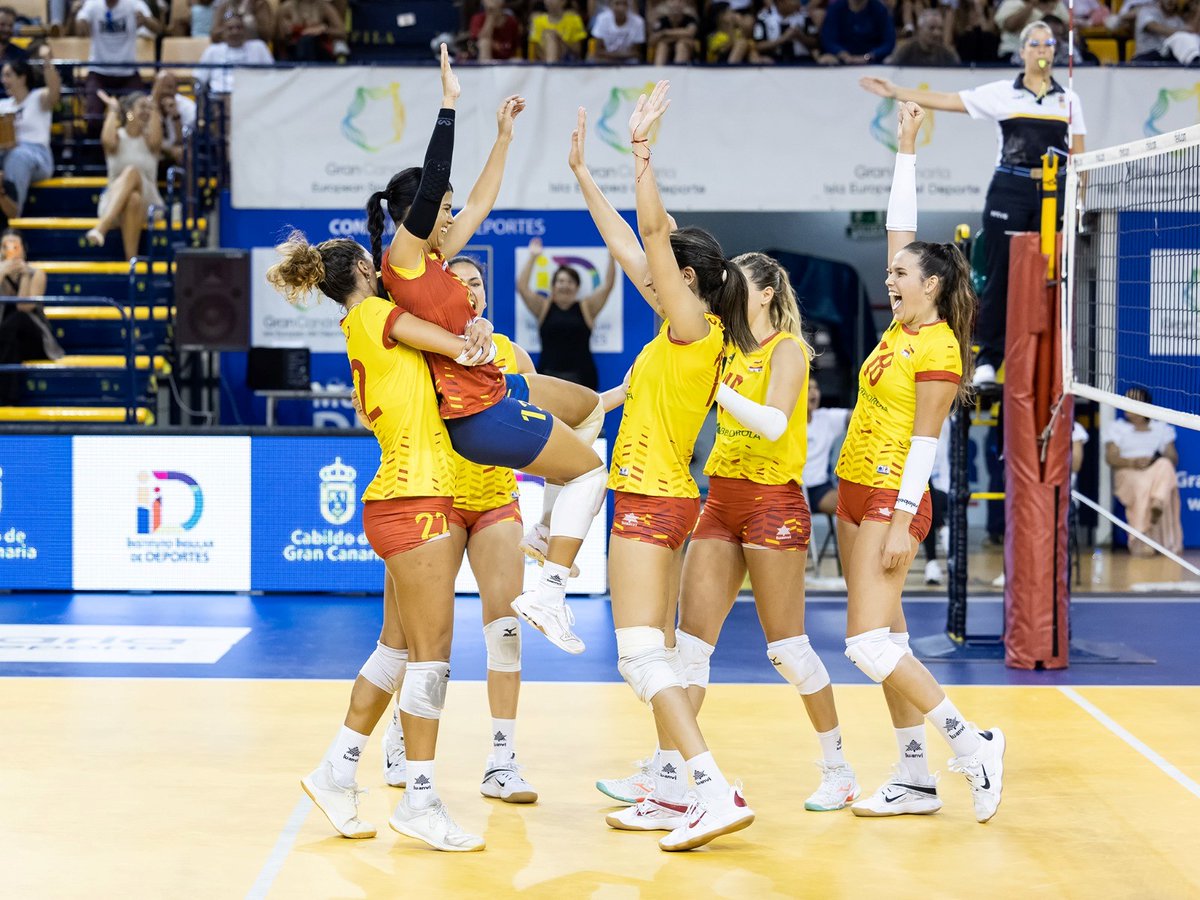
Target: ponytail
[(957, 302), (766, 272), (327, 267), (720, 283), (375, 227), (399, 195), (730, 303)]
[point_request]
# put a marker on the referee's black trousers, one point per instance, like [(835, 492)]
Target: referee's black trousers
[(1013, 205)]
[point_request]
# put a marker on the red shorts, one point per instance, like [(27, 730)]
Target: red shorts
[(858, 503), (473, 521), (405, 523), (759, 516), (662, 521)]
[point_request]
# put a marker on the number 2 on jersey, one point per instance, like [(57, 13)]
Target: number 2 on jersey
[(358, 370)]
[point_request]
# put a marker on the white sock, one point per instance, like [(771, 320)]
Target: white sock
[(549, 496), (553, 582), (670, 775), (347, 748), (504, 740), (914, 765), (949, 721), (706, 775), (420, 792), (831, 745)]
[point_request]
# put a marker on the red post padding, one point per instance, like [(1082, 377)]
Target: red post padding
[(1037, 494)]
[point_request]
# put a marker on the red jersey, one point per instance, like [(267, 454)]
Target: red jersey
[(433, 293)]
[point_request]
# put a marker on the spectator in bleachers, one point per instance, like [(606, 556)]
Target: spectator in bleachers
[(310, 31), (557, 35), (178, 113), (729, 41), (976, 38), (32, 106), (1157, 21), (197, 23), (1143, 458), (928, 46), (856, 32), (112, 26), (235, 50), (785, 32), (620, 34), (495, 33), (25, 333), (939, 502), (1062, 53), (132, 142), (1013, 15), (256, 16), (9, 52), (673, 36)]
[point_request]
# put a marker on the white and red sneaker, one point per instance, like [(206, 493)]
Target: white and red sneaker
[(707, 820), (651, 814)]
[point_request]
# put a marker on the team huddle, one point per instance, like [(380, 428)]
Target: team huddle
[(456, 409)]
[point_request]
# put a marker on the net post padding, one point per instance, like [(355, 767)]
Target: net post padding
[(1037, 493)]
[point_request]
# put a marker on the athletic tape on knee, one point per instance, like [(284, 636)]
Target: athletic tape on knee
[(384, 668), (589, 429), (900, 639), (642, 661), (795, 659), (424, 691), (874, 652), (695, 655), (502, 637), (675, 661), (577, 505)]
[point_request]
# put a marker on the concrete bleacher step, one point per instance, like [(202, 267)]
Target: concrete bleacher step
[(95, 414), (105, 279), (64, 237), (98, 329), (69, 196)]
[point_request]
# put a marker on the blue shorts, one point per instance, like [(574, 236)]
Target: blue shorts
[(510, 434), (518, 387)]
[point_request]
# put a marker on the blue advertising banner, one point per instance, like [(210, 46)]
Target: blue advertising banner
[(35, 512)]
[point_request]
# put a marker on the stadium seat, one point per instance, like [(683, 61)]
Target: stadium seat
[(77, 48), (183, 50), (29, 9)]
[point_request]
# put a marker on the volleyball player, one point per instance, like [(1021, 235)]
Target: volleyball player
[(490, 421), (485, 523), (906, 388), (406, 514), (701, 297)]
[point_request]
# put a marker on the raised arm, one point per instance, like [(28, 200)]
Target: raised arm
[(902, 203), (594, 302), (109, 139), (483, 195), (53, 81), (682, 307), (946, 101), (622, 243), (537, 304)]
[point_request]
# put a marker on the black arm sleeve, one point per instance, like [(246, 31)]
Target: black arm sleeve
[(435, 178)]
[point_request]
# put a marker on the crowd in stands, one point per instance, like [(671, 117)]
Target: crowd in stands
[(818, 32)]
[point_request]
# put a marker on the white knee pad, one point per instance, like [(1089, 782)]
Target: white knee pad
[(695, 655), (502, 638), (577, 505), (384, 668), (875, 653), (900, 639), (675, 661), (799, 664), (642, 661), (424, 690), (589, 429)]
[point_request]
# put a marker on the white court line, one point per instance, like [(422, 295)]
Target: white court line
[(279, 853), (1133, 742)]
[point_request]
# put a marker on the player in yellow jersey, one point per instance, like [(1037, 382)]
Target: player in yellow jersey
[(406, 513), (485, 524), (701, 297), (906, 388)]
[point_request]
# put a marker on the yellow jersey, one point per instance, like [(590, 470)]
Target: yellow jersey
[(881, 428), (396, 394), (742, 453), (670, 390), (480, 488)]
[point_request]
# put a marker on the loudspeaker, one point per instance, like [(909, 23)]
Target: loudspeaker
[(212, 299), (279, 369)]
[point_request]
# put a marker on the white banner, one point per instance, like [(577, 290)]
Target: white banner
[(744, 139), (277, 323), (590, 264), (161, 513)]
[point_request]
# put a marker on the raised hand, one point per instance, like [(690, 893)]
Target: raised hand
[(113, 104), (507, 113), (451, 89), (648, 111), (911, 118), (535, 247), (880, 87), (578, 137)]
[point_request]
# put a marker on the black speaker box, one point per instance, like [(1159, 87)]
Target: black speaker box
[(279, 369), (212, 299)]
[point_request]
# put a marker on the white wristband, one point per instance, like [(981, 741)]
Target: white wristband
[(902, 202), (768, 421), (918, 466)]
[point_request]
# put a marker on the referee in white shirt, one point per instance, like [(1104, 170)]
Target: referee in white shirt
[(1032, 113)]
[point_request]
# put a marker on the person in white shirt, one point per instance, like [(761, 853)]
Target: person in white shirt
[(939, 497), (1142, 455), (178, 115), (620, 34), (826, 427), (235, 51), (113, 26), (29, 160)]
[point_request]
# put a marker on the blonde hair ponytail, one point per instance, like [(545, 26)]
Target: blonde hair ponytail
[(766, 272)]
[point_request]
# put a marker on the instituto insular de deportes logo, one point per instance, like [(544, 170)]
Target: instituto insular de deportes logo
[(337, 492)]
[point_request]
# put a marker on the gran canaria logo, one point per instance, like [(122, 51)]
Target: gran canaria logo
[(883, 126), (367, 123), (1162, 106), (614, 117)]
